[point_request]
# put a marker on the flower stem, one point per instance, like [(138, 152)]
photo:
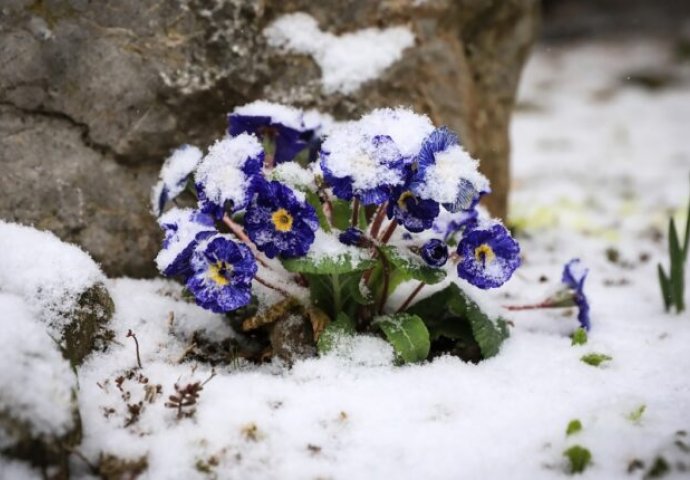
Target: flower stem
[(386, 282), (239, 233), (411, 297), (378, 220), (271, 286), (389, 231), (355, 213)]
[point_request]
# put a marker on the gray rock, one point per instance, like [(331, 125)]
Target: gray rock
[(95, 94)]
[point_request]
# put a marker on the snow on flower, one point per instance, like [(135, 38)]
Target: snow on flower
[(279, 223), (446, 173), (222, 273), (225, 177), (280, 123), (183, 229), (574, 275), (174, 175), (488, 256)]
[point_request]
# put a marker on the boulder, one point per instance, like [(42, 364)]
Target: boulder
[(94, 95)]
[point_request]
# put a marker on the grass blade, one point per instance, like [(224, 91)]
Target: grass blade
[(677, 263), (665, 285)]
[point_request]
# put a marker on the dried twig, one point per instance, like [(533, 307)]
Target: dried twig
[(136, 343)]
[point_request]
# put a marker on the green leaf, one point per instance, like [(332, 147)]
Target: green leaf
[(341, 214), (413, 266), (356, 293), (407, 334), (313, 200), (686, 240), (573, 427), (595, 359), (636, 415), (445, 311), (665, 285), (677, 264), (342, 263), (343, 325), (579, 337), (578, 457)]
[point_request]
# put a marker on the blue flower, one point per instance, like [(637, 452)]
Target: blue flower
[(352, 236), (183, 230), (284, 125), (173, 176), (435, 252), (445, 173), (222, 273), (488, 256), (226, 177), (574, 275), (278, 223), (410, 211), (448, 223), (358, 166)]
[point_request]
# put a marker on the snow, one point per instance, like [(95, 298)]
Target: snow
[(283, 114), (294, 175), (36, 383), (174, 173), (444, 178), (180, 238), (599, 164), (346, 61), (48, 274), (221, 169)]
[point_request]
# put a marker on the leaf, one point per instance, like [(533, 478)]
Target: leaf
[(343, 325), (573, 427), (446, 311), (413, 266), (686, 240), (578, 457), (636, 415), (677, 263), (319, 321), (343, 263), (313, 200), (407, 334), (354, 289), (342, 214), (271, 315), (579, 337), (665, 285), (595, 359)]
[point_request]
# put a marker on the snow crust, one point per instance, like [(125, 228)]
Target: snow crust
[(48, 274), (346, 61), (36, 382)]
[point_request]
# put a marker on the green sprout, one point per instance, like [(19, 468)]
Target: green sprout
[(673, 283)]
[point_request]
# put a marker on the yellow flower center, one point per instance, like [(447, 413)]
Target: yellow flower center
[(218, 273), (282, 220), (402, 201), (483, 253)]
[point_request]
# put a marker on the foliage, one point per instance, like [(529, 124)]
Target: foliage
[(578, 457), (673, 283)]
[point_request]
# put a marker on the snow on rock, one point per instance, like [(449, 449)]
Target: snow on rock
[(51, 276), (37, 385), (347, 60)]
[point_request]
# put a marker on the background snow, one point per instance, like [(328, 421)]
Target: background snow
[(346, 61)]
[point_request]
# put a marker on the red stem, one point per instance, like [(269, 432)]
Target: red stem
[(239, 233), (409, 299), (271, 286), (378, 220), (355, 213), (389, 231)]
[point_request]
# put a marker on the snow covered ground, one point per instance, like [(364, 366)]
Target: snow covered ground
[(600, 162)]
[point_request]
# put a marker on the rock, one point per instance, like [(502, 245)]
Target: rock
[(292, 338), (62, 284), (94, 96), (39, 418)]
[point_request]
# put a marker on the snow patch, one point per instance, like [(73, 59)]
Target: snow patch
[(346, 61)]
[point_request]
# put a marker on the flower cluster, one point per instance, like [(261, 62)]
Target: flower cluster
[(289, 198)]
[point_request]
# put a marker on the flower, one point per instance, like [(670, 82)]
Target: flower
[(369, 157), (222, 273), (361, 167), (435, 252), (278, 223), (410, 211), (173, 176), (446, 173), (574, 275), (450, 223), (488, 256), (226, 176), (285, 125), (352, 236), (183, 230)]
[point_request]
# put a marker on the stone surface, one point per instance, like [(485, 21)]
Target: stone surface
[(93, 95)]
